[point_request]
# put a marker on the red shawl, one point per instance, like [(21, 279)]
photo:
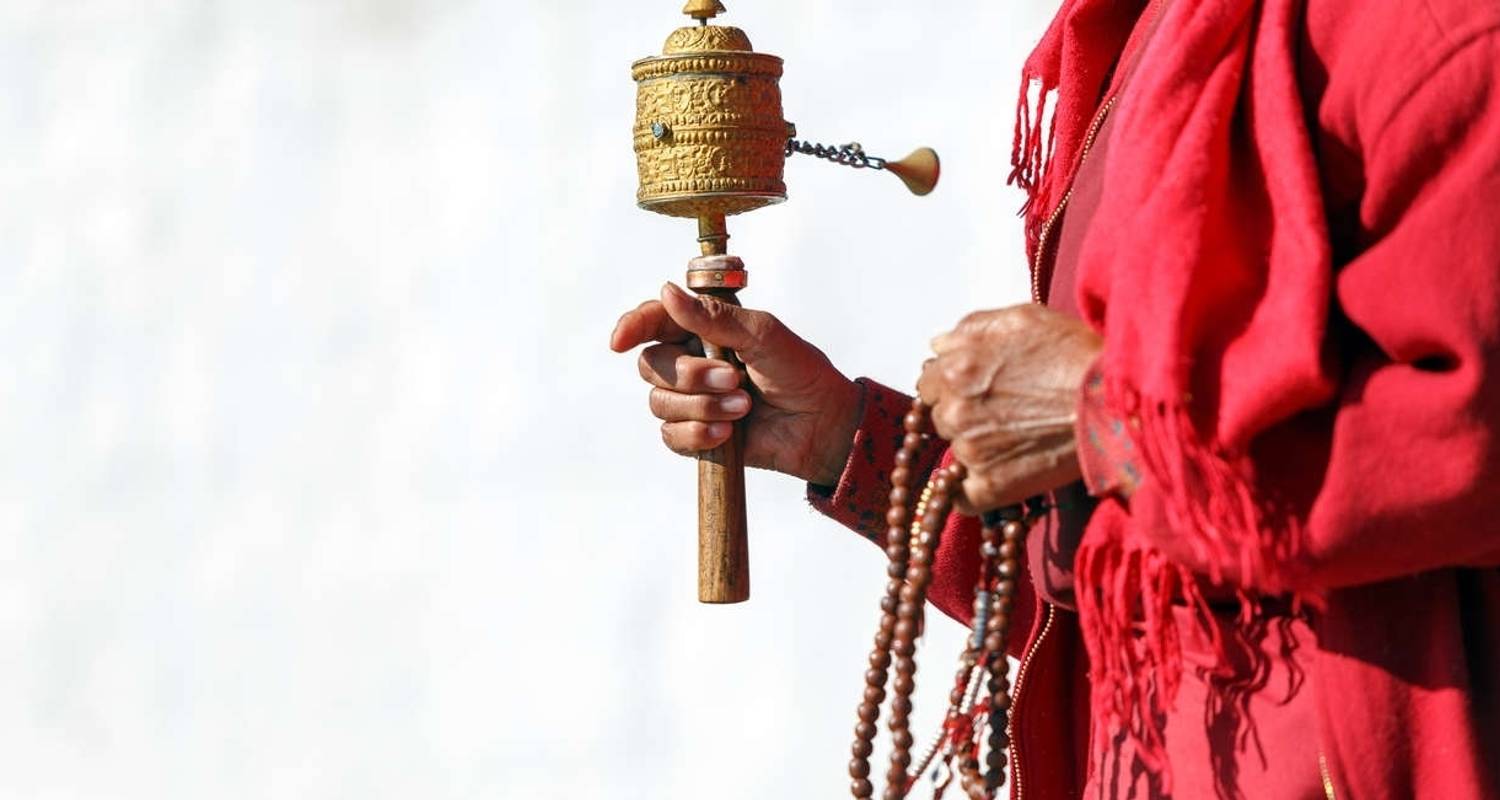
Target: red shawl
[(1211, 279)]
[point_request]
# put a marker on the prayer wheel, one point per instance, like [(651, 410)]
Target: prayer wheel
[(710, 142)]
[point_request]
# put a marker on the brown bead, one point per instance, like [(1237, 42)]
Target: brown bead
[(1007, 570), (895, 516), (865, 731), (903, 459), (874, 694), (883, 640), (1004, 603), (925, 537), (918, 574), (933, 519), (907, 608), (897, 535), (940, 483), (861, 788), (896, 570), (868, 712), (997, 623), (896, 552), (905, 667), (999, 739), (1012, 530), (995, 760), (899, 495), (904, 648), (904, 684), (901, 757), (875, 677), (858, 768), (1000, 702), (893, 793), (894, 585), (914, 420), (888, 623), (939, 503), (906, 629), (912, 440), (901, 706), (901, 476), (902, 739), (921, 554), (992, 642), (861, 748), (880, 659), (957, 472), (1008, 550), (1005, 588)]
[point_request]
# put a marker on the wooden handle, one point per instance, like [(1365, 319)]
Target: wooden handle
[(723, 546)]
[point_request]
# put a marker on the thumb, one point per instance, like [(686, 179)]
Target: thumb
[(719, 321)]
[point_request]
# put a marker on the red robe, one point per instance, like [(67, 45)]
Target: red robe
[(1393, 689)]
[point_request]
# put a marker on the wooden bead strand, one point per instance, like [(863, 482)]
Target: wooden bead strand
[(911, 541)]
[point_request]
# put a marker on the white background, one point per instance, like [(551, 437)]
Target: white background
[(317, 479)]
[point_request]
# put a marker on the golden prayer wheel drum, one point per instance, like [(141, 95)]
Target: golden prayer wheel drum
[(710, 138)]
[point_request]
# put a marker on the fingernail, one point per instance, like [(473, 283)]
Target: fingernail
[(718, 430), (735, 404), (673, 289), (722, 378)]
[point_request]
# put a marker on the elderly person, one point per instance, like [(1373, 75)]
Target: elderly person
[(1261, 395)]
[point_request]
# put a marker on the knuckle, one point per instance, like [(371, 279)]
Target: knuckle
[(714, 309), (958, 367), (973, 319), (761, 324)]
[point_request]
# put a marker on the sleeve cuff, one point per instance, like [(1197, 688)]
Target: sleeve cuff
[(1107, 453), (858, 500)]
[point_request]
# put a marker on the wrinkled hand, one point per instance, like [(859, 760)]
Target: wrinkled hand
[(1003, 390), (803, 416)]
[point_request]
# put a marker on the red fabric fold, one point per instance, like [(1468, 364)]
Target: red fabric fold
[(1222, 273)]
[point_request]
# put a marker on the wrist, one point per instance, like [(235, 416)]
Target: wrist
[(841, 423)]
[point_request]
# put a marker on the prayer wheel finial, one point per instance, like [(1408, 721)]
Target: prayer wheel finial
[(703, 10)]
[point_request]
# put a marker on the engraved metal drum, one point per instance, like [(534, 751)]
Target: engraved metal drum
[(710, 137)]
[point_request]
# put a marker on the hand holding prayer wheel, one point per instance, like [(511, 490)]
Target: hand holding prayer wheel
[(803, 417)]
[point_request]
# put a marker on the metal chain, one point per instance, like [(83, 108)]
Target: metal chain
[(850, 155)]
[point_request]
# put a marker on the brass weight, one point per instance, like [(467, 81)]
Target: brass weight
[(710, 142)]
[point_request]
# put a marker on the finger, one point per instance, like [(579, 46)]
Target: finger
[(691, 438), (748, 331), (977, 497), (930, 385), (673, 366), (945, 343), (648, 322), (947, 420), (677, 407), (963, 373)]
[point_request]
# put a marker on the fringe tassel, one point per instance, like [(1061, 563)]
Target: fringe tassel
[(1208, 496), (1031, 154), (1127, 590)]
